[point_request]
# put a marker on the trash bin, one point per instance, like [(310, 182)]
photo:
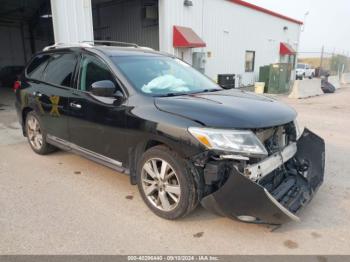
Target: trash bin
[(259, 87), (226, 81), (276, 77)]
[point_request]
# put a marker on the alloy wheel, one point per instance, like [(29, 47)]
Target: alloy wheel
[(34, 132), (160, 184)]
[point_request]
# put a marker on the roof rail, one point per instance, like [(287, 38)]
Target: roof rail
[(94, 43), (112, 43), (64, 45)]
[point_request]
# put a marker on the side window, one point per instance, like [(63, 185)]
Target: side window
[(37, 66), (92, 70), (249, 61), (60, 69)]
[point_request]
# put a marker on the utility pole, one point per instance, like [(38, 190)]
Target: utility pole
[(321, 61)]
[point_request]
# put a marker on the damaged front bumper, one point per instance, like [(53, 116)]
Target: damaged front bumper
[(255, 196)]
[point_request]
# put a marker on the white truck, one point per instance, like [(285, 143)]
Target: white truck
[(304, 70)]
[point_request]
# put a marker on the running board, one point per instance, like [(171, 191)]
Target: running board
[(101, 159)]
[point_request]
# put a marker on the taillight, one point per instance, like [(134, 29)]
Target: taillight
[(16, 85)]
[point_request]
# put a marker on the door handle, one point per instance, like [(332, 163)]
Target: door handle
[(37, 94), (75, 105)]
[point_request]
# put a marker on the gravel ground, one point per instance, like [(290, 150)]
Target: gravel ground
[(65, 204)]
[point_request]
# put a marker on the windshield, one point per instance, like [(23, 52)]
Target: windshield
[(162, 76), (301, 66)]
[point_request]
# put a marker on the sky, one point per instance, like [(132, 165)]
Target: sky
[(327, 24)]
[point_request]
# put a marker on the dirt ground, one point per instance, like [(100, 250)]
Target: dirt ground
[(65, 204)]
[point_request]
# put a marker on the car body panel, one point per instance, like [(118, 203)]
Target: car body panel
[(98, 125), (9, 74), (239, 109)]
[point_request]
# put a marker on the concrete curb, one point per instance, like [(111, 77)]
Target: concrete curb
[(345, 78), (306, 88), (335, 81)]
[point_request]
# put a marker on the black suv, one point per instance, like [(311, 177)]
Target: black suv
[(179, 136)]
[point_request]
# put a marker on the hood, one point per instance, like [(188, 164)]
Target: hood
[(228, 109)]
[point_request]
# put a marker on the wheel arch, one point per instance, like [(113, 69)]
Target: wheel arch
[(25, 112), (136, 153)]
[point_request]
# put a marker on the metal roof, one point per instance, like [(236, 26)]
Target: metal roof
[(266, 11)]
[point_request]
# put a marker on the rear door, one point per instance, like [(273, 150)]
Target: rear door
[(97, 124), (53, 93)]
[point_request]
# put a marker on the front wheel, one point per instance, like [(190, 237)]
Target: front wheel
[(36, 135), (166, 183)]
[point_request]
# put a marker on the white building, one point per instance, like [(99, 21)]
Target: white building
[(231, 36), (222, 36)]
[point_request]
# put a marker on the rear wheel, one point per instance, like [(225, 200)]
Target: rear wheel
[(166, 183), (36, 135)]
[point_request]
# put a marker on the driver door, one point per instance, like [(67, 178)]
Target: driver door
[(96, 124)]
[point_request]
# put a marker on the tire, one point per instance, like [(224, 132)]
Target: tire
[(159, 189), (36, 135)]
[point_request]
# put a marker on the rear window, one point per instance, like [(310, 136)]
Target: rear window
[(301, 66), (37, 66), (60, 69)]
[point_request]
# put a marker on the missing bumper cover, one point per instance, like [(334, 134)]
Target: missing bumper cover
[(265, 167), (239, 195)]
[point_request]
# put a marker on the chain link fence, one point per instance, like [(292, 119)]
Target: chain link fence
[(326, 63)]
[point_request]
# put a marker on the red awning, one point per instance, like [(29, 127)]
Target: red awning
[(186, 37), (286, 49)]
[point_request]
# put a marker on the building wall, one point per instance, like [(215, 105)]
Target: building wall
[(11, 40), (123, 21), (229, 30), (11, 45)]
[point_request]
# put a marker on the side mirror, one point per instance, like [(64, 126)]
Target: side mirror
[(104, 88), (119, 98)]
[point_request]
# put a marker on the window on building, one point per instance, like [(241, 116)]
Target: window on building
[(60, 69), (249, 61)]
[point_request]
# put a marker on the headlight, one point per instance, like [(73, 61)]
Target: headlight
[(242, 142), (298, 131)]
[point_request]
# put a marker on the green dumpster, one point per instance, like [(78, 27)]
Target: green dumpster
[(276, 77)]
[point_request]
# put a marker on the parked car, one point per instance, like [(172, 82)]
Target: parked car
[(179, 136), (304, 70), (9, 74)]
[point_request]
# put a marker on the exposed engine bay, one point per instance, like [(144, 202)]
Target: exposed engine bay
[(282, 182)]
